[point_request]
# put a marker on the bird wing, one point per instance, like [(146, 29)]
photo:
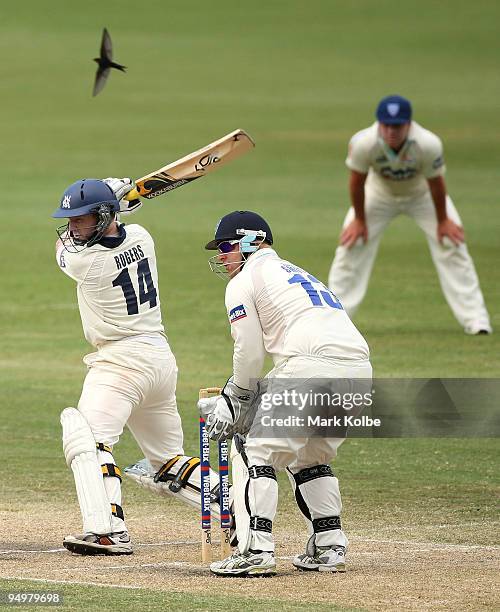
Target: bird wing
[(106, 45), (100, 80)]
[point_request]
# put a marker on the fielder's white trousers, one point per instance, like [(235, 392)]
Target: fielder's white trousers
[(351, 268), (133, 383)]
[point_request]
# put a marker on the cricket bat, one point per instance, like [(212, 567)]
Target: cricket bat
[(192, 166)]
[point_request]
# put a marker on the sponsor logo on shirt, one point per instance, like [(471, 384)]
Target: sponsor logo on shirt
[(399, 174), (237, 313)]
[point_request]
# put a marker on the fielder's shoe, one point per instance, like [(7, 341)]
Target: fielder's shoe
[(478, 329), (248, 564), (92, 544), (324, 559)]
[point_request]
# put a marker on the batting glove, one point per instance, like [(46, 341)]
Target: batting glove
[(120, 188)]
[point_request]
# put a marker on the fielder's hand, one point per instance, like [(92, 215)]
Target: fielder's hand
[(355, 230), (449, 229), (120, 188)]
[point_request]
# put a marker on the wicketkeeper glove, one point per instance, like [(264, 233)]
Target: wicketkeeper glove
[(218, 417), (229, 413), (120, 188)]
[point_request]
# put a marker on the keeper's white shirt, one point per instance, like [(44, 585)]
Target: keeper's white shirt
[(399, 175), (117, 288), (276, 307)]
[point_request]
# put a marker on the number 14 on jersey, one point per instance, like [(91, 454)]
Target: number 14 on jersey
[(147, 290)]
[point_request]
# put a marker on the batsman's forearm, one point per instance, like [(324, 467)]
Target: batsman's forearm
[(438, 193)]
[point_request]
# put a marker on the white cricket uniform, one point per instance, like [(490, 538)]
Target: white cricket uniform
[(132, 376), (278, 308), (397, 184), (117, 289)]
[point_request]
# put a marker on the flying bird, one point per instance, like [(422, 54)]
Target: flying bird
[(105, 62)]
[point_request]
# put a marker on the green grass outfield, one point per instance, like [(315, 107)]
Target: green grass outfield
[(130, 599), (301, 78)]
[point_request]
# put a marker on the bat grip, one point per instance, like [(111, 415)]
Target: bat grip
[(132, 195)]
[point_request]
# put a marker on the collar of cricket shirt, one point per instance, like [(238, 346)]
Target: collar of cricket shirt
[(260, 253), (111, 242), (391, 155)]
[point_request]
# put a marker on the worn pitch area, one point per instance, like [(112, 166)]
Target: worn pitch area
[(394, 571)]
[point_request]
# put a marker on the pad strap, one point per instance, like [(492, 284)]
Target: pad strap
[(258, 523), (182, 476), (180, 480), (327, 523), (262, 471), (311, 473), (117, 511), (161, 474), (103, 447), (111, 470)]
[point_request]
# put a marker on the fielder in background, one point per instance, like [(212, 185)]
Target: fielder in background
[(131, 377), (397, 167), (277, 308)]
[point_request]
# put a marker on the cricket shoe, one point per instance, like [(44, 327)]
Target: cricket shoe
[(247, 564), (478, 329), (324, 559), (93, 544)]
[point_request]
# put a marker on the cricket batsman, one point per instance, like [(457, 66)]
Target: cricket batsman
[(132, 374), (276, 307)]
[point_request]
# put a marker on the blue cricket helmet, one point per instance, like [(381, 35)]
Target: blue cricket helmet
[(86, 196)]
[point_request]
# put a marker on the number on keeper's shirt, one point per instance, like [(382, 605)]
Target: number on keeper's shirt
[(318, 297)]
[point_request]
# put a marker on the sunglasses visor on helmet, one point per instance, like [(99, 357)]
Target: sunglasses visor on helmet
[(226, 246)]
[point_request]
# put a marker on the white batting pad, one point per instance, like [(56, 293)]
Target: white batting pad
[(80, 452), (143, 474)]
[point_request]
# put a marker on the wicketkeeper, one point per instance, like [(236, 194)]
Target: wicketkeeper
[(277, 308)]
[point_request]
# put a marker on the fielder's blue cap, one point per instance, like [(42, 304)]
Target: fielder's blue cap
[(394, 110)]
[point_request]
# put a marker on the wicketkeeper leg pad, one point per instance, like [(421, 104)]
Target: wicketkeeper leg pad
[(255, 494), (81, 454), (318, 497)]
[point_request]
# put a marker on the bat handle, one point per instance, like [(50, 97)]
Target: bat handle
[(132, 195)]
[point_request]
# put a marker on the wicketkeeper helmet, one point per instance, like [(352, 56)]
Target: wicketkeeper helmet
[(231, 227)]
